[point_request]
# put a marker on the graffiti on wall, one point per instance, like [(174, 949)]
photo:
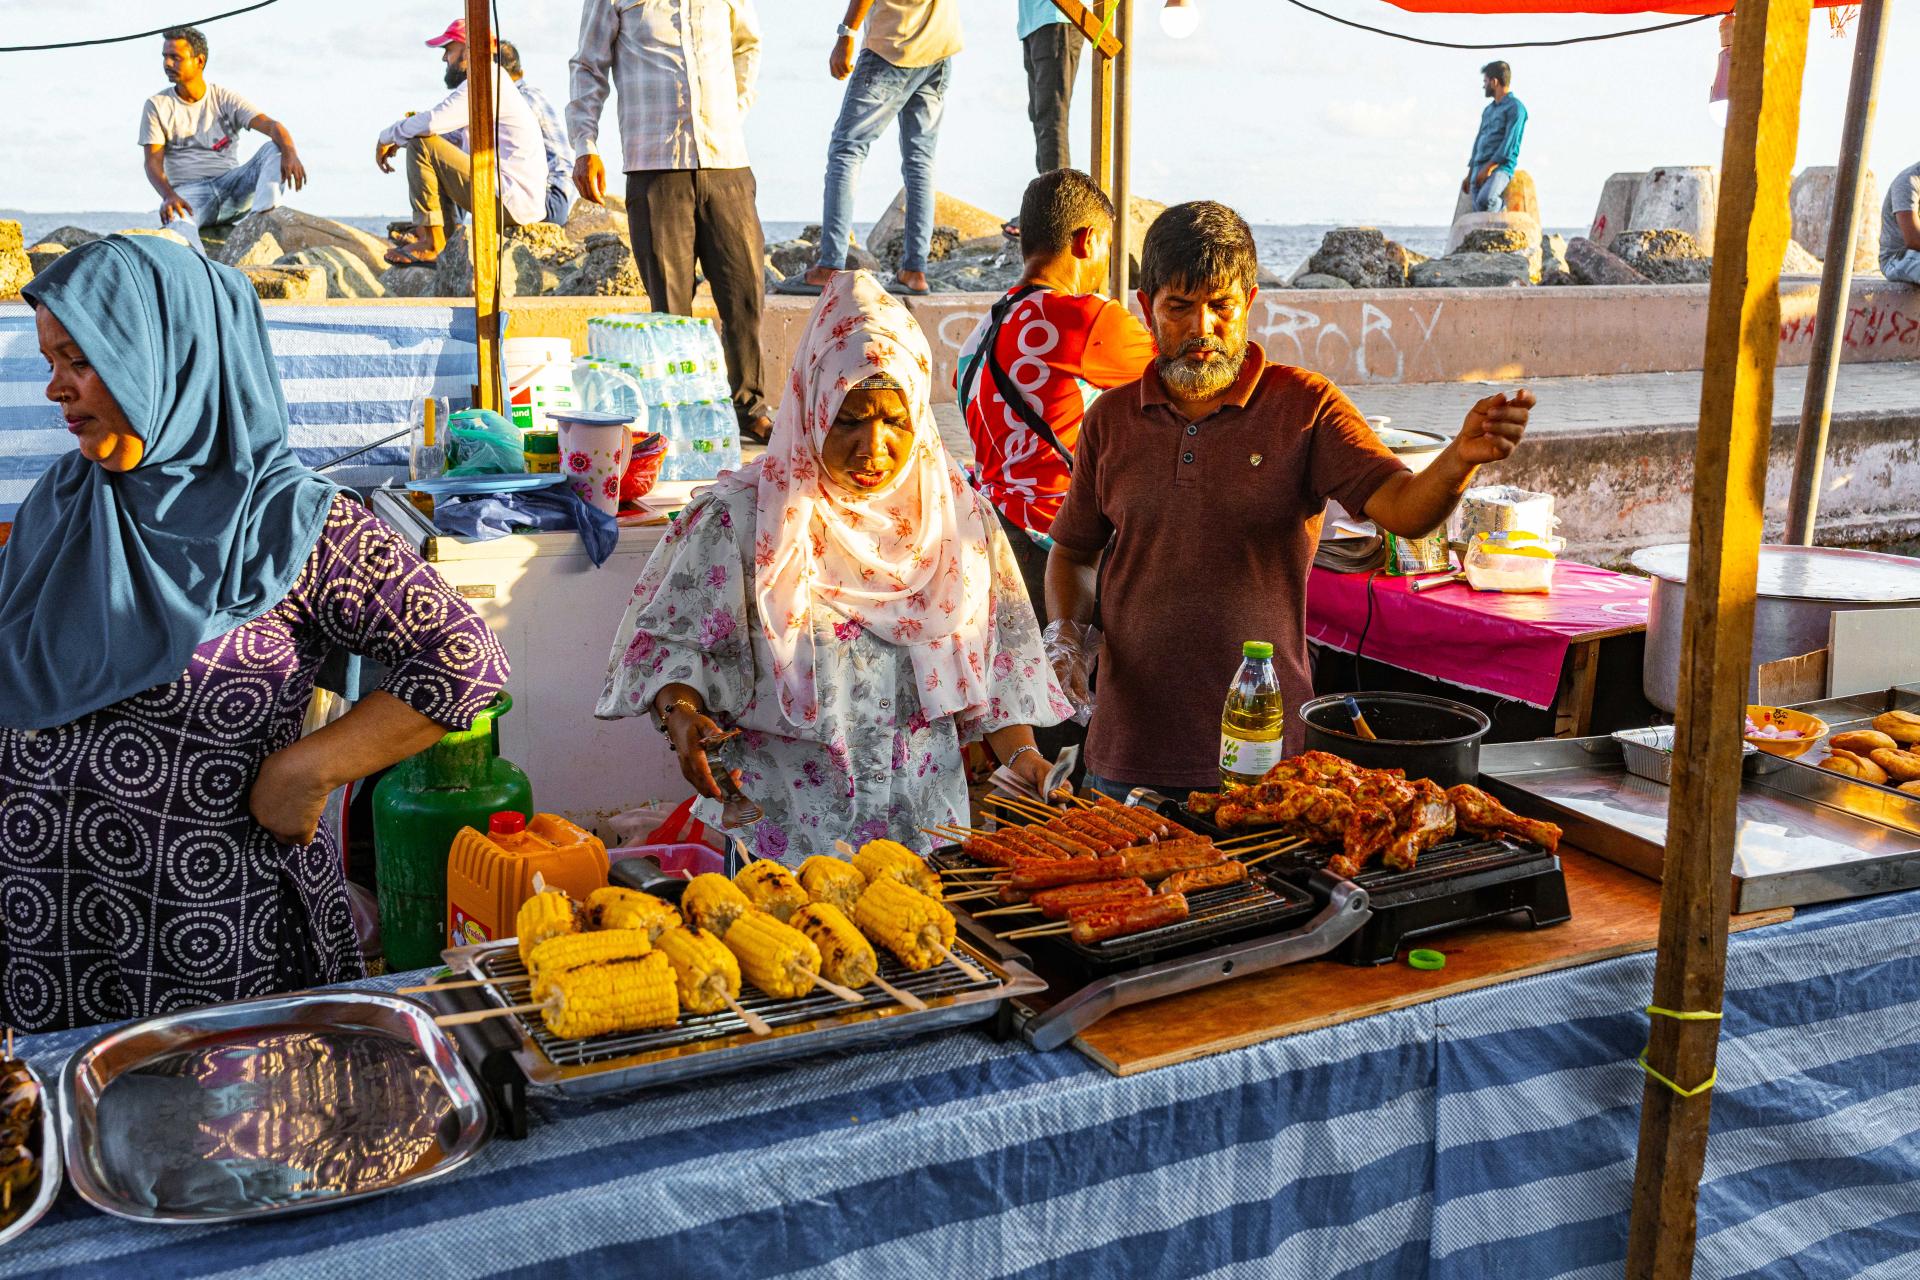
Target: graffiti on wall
[(1375, 351)]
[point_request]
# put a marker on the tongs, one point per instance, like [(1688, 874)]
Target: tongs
[(738, 810)]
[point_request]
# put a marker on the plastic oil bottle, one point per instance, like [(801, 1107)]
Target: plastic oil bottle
[(1254, 722)]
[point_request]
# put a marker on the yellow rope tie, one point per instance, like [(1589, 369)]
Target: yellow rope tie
[(1682, 1015)]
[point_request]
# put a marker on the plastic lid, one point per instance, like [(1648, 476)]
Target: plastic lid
[(589, 418), (508, 822), (1424, 959), (1256, 649)]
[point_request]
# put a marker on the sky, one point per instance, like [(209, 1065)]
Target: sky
[(1282, 114)]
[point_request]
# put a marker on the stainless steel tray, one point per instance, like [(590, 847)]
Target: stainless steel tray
[(1805, 835), (47, 1152), (1855, 712), (346, 1058), (700, 1045)]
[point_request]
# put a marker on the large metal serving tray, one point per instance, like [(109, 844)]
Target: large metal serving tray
[(368, 1146), (707, 1044), (47, 1152), (1805, 835), (1855, 712)]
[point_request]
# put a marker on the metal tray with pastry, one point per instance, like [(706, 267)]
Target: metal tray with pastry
[(30, 1165)]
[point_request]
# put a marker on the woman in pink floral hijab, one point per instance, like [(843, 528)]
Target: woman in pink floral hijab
[(847, 601)]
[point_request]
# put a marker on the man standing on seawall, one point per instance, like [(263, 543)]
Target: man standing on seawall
[(1050, 47), (190, 133), (1203, 483), (1496, 148), (685, 71)]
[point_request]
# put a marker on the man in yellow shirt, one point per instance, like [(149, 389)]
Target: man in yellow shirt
[(902, 73)]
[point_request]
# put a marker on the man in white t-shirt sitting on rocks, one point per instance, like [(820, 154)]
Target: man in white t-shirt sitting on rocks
[(191, 135)]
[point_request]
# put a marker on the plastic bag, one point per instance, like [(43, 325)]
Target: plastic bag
[(1511, 561), (482, 443), (1074, 650)]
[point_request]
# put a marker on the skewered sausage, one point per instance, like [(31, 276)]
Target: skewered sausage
[(1038, 873), (1115, 920), (1055, 903), (1157, 862), (1213, 877)]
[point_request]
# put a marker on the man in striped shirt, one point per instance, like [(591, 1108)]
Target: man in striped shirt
[(685, 71), (552, 132)]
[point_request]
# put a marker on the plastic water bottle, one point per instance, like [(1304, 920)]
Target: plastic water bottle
[(670, 422), (714, 439), (1253, 724)]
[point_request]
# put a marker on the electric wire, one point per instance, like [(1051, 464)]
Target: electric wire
[(136, 35)]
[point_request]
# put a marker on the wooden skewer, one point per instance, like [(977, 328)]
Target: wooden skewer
[(6, 1189), (1246, 837), (461, 985), (481, 1015), (1040, 931), (834, 988), (844, 849), (974, 895), (906, 998), (755, 1023), (1004, 911), (1024, 808), (946, 953), (973, 871), (1254, 862)]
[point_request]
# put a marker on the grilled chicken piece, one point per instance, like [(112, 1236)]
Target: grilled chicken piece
[(1368, 833), (1481, 814), (1422, 825), (1319, 813)]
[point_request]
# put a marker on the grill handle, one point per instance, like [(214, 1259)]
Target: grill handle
[(1346, 911)]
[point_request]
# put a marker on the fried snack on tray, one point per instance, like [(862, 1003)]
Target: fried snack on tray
[(891, 860), (1849, 765), (846, 957), (601, 999), (1902, 726), (545, 915), (1911, 788), (1861, 742), (703, 969), (615, 907), (916, 929), (832, 880), (775, 957), (1319, 813), (772, 888), (1901, 766), (712, 902)]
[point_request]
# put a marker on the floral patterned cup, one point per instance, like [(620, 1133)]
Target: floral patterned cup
[(593, 454)]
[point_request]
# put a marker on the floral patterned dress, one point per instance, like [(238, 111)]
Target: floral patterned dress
[(133, 880), (872, 764)]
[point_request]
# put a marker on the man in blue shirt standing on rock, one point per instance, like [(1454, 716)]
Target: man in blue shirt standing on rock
[(1496, 150)]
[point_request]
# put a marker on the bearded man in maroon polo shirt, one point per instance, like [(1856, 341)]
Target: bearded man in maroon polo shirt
[(1202, 484)]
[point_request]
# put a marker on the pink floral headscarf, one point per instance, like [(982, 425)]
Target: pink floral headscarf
[(909, 562)]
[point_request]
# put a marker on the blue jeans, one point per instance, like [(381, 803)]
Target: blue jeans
[(252, 186), (1905, 268), (878, 91), (1491, 195)]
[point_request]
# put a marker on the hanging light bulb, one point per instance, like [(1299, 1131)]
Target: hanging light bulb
[(1180, 18)]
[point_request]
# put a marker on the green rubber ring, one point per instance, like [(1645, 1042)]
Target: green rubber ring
[(1424, 959)]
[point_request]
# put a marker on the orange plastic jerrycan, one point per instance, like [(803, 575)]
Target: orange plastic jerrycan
[(490, 875)]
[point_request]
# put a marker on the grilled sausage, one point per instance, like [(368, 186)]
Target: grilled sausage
[(1098, 924), (1213, 877), (1039, 873), (1055, 903)]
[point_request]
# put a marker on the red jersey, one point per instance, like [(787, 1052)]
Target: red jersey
[(1060, 350)]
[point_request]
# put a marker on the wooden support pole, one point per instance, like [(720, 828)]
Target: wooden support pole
[(1836, 276), (1729, 480), (1100, 158), (486, 222), (1122, 148), (1089, 23)]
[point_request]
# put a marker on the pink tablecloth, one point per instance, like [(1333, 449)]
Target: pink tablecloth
[(1510, 645)]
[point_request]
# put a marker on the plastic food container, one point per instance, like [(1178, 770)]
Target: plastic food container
[(542, 450), (1808, 730), (643, 468)]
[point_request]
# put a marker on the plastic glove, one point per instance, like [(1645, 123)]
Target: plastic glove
[(1073, 648)]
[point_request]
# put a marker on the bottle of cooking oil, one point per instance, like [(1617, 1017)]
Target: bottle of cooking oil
[(1254, 721)]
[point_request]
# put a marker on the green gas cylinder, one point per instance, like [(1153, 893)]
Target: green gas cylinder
[(418, 807)]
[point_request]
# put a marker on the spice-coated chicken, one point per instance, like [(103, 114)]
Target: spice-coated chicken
[(1481, 814)]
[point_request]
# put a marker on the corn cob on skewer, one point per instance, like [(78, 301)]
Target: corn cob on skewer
[(772, 888), (626, 995), (711, 902), (706, 972), (888, 859), (915, 928), (777, 958), (832, 880), (572, 951), (547, 914), (616, 908), (846, 957)]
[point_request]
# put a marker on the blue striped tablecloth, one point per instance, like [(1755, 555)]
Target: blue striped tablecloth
[(1487, 1134), (352, 375)]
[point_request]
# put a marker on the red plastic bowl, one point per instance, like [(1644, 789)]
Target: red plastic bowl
[(643, 468)]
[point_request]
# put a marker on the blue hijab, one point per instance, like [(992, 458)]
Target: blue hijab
[(110, 581)]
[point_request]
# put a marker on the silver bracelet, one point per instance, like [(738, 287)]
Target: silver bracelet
[(846, 32), (1018, 752)]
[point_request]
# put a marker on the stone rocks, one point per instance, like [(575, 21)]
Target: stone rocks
[(974, 277), (522, 273), (1521, 196), (15, 267), (294, 284), (967, 221), (790, 256), (548, 243), (1811, 200), (1473, 271), (1524, 225), (1319, 280), (1664, 257), (42, 255), (1553, 262), (70, 237), (1507, 239), (1611, 216), (1591, 264), (346, 274), (262, 238), (1361, 257), (1798, 262), (607, 271), (409, 282), (1677, 198), (1141, 213), (586, 218), (941, 245)]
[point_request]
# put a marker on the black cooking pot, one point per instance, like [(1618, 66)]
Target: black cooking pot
[(1429, 737)]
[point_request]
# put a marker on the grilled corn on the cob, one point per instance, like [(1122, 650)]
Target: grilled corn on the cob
[(914, 927), (775, 957), (891, 860), (703, 968), (626, 995), (711, 902), (771, 887), (545, 915), (572, 951), (616, 908), (846, 957), (832, 880)]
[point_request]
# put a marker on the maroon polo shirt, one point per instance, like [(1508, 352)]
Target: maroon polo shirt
[(1209, 529)]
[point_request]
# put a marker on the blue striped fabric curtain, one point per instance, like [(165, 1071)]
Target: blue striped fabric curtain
[(352, 376)]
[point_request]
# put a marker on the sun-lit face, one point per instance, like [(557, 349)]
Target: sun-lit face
[(1201, 332), (92, 414), (179, 62), (870, 440)]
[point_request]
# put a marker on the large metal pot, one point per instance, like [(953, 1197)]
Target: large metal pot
[(1429, 737), (1799, 589)]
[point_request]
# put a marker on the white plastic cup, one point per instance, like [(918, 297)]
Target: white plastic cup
[(594, 448)]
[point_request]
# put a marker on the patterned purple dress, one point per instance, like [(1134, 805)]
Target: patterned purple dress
[(133, 881)]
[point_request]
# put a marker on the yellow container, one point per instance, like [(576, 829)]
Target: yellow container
[(541, 449), (489, 875), (1810, 729)]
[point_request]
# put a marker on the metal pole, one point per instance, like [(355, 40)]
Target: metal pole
[(1122, 147), (1836, 274)]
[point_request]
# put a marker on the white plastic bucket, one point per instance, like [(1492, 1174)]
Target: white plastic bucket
[(539, 375)]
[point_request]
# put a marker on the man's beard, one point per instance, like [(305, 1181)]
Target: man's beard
[(456, 76), (1487, 90), (1201, 380)]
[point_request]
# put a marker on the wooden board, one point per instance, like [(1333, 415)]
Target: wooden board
[(1871, 650), (1615, 913)]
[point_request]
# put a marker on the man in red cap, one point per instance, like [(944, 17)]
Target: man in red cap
[(439, 168)]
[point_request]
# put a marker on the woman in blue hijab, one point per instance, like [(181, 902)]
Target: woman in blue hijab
[(169, 592)]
